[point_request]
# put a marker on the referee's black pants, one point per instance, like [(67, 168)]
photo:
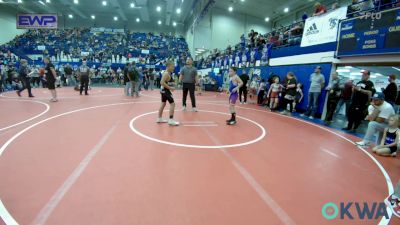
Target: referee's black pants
[(188, 87), (84, 83)]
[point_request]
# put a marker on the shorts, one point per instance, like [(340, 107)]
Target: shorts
[(166, 95), (274, 94), (233, 98), (51, 84)]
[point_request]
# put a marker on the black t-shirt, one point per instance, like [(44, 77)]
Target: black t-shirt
[(245, 78), (291, 91), (68, 70), (390, 92), (49, 74), (362, 99)]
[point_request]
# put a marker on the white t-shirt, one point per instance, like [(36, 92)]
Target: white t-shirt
[(385, 109)]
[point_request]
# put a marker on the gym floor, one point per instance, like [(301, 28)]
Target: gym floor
[(102, 159)]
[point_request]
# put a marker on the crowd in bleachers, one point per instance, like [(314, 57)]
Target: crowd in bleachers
[(73, 44), (257, 46)]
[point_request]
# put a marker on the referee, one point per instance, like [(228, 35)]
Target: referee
[(188, 76), (83, 74)]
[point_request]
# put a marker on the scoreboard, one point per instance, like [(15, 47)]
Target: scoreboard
[(377, 33)]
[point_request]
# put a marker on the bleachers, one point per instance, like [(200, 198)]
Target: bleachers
[(70, 44)]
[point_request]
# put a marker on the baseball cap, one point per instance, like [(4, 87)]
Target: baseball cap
[(366, 72), (378, 96)]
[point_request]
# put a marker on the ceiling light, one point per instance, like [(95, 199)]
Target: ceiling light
[(104, 3), (1, 1), (93, 17), (19, 1), (159, 22), (230, 8), (41, 2), (174, 24), (115, 18), (137, 20), (47, 1), (286, 10), (76, 1), (132, 5), (158, 8), (266, 19), (70, 16), (178, 10), (343, 70), (242, 0)]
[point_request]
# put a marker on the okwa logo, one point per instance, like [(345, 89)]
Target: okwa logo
[(354, 210), (312, 29)]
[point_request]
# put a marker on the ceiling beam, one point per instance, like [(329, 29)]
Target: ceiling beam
[(74, 9), (119, 10), (144, 11)]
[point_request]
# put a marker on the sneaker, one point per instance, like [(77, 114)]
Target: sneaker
[(161, 120), (31, 96), (228, 121), (232, 122), (184, 108), (194, 109), (394, 204), (311, 117), (53, 100), (394, 154), (362, 143), (172, 122)]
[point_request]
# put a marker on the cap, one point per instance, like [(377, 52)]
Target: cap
[(318, 67), (366, 72), (378, 96)]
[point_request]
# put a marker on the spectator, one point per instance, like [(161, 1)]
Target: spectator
[(378, 114), (25, 79), (345, 98), (390, 139), (304, 17), (333, 97), (243, 89), (362, 92), (291, 92), (390, 91), (317, 83), (261, 92), (319, 9)]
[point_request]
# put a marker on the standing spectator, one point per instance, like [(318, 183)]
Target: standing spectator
[(25, 79), (243, 89), (345, 98), (188, 76), (51, 77), (34, 74), (261, 92), (319, 9), (334, 92), (317, 80), (291, 92), (378, 114), (391, 90), (362, 92), (127, 82), (68, 73), (133, 76)]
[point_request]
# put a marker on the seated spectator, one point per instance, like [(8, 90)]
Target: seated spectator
[(390, 140), (378, 114), (295, 34), (319, 9), (304, 17)]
